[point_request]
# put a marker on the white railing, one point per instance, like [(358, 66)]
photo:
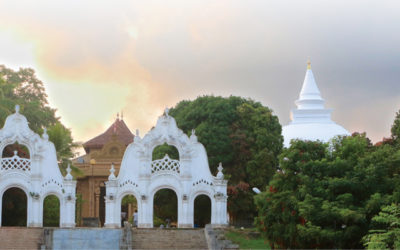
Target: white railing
[(15, 162), (165, 164)]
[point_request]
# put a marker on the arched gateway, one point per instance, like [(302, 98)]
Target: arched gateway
[(188, 177), (36, 175)]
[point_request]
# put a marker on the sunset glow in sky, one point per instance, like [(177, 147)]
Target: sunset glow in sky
[(97, 58)]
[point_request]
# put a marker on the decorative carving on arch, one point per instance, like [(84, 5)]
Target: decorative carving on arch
[(165, 164), (15, 163), (39, 174), (188, 175)]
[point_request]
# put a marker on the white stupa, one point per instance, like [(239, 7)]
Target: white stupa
[(311, 120)]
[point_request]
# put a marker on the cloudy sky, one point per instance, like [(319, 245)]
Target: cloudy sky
[(98, 58)]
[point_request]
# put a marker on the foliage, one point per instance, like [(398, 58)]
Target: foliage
[(242, 134), (78, 208), (126, 201), (231, 129), (257, 141), (166, 205), (51, 211), (322, 196), (386, 232), (158, 221), (202, 211), (62, 139), (129, 199), (161, 150), (240, 201), (22, 150), (246, 239), (14, 208), (22, 87), (396, 128)]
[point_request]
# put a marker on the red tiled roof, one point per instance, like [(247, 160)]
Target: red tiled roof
[(118, 128)]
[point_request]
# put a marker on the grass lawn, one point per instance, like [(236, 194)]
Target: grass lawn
[(246, 239)]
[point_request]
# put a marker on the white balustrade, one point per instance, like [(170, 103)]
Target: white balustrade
[(165, 164), (15, 162)]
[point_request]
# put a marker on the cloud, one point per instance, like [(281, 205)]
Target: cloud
[(90, 70), (100, 57)]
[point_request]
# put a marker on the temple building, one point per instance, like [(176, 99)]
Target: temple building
[(101, 151), (311, 120)]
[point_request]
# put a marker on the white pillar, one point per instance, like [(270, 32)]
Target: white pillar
[(67, 213), (214, 215), (219, 211), (219, 204), (1, 207), (113, 209), (145, 219), (112, 221), (185, 219), (34, 208), (34, 213)]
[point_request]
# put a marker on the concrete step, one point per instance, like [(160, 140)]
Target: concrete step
[(84, 238), (168, 239), (20, 238)]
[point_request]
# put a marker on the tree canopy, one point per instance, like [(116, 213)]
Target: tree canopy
[(242, 134), (22, 87), (325, 195), (396, 129)]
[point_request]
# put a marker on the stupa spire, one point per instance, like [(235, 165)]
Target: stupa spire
[(310, 97), (311, 120)]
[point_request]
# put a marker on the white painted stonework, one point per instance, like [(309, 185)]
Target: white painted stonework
[(189, 177), (38, 176), (311, 120)]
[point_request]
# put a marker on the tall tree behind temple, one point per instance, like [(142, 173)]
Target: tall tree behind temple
[(396, 128), (22, 87), (242, 134)]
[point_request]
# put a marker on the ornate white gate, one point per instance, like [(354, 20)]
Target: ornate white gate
[(188, 177), (38, 176)]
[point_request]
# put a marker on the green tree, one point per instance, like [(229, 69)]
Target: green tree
[(63, 142), (14, 210), (51, 211), (165, 207), (386, 232), (396, 128), (202, 210), (325, 196), (242, 134), (278, 207), (22, 87), (160, 151)]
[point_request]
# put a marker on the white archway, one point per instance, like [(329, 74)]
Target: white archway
[(22, 188), (188, 177), (43, 198), (37, 176), (166, 188), (192, 203)]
